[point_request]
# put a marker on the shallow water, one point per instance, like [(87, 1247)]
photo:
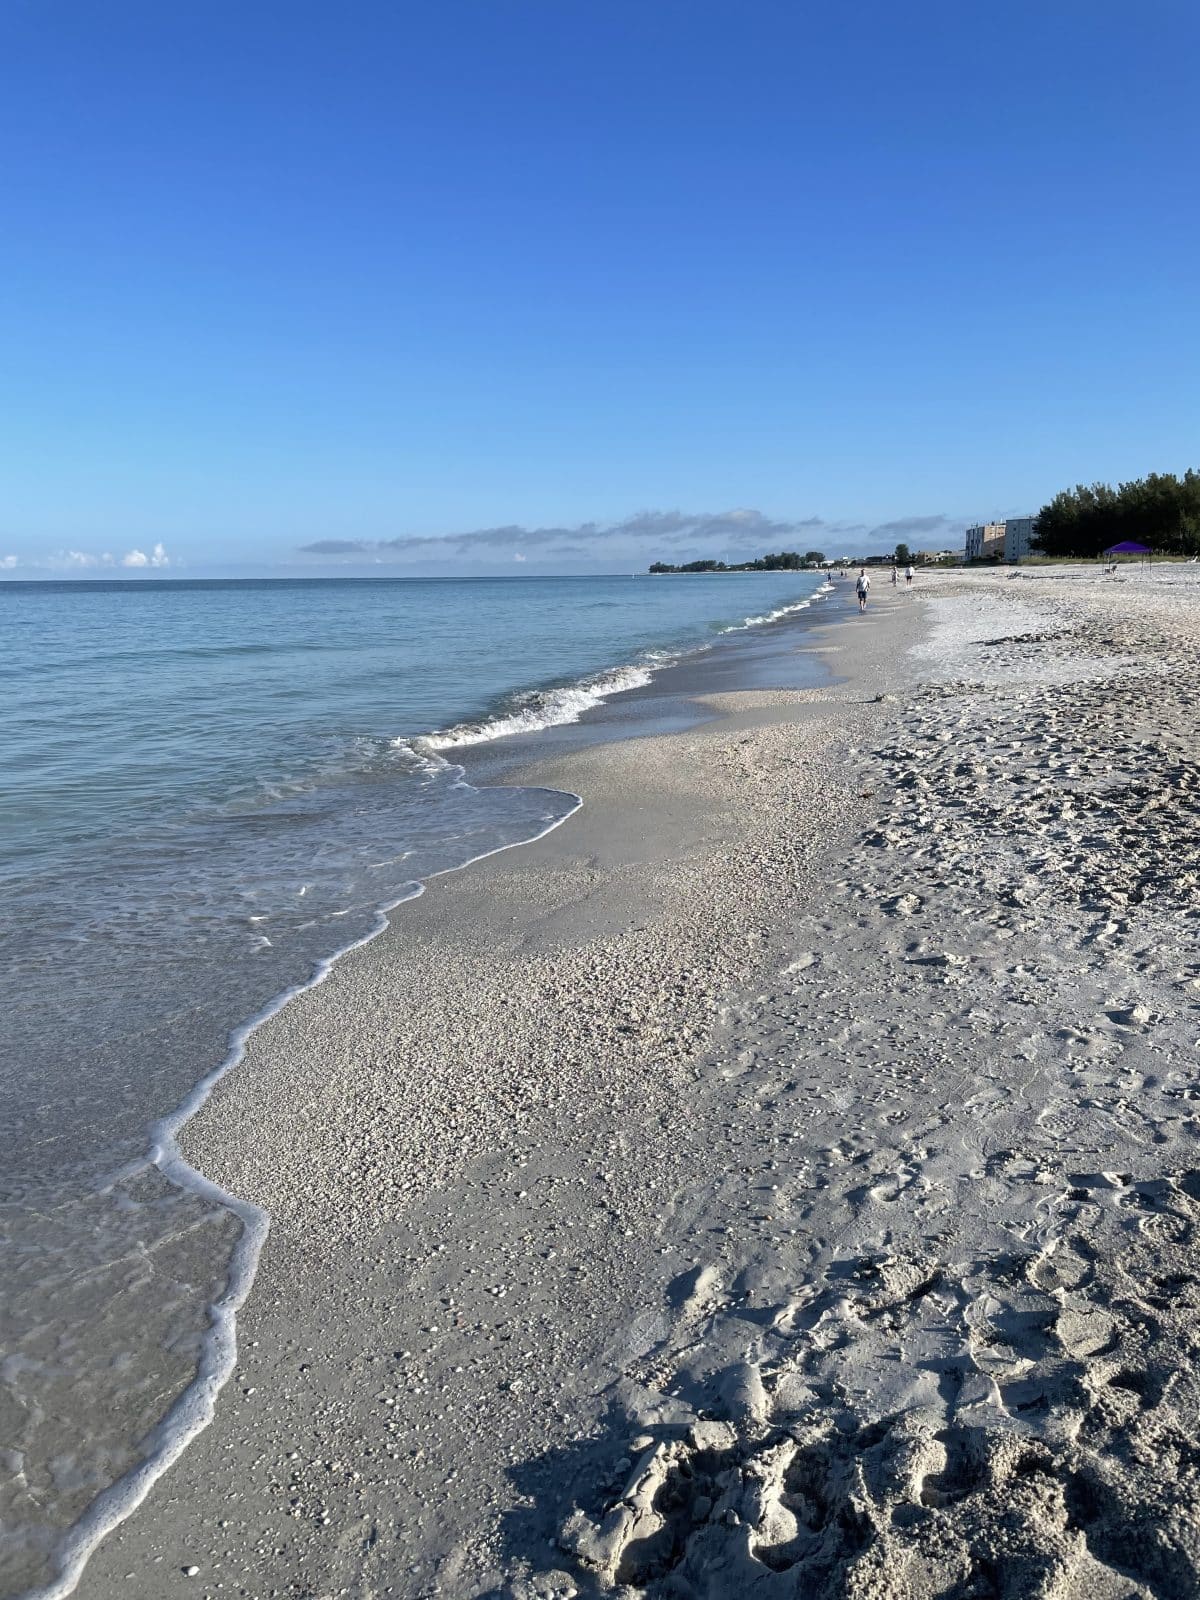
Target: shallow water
[(206, 791)]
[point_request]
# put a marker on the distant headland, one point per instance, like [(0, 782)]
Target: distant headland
[(785, 561)]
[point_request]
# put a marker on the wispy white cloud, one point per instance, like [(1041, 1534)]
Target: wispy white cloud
[(158, 557), (92, 561), (7, 563), (71, 560)]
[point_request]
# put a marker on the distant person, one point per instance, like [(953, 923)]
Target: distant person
[(862, 588), (893, 577), (908, 576)]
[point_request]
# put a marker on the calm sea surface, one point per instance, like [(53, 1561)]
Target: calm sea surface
[(207, 790)]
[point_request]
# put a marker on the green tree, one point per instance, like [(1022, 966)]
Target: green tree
[(1159, 510), (814, 558), (903, 555)]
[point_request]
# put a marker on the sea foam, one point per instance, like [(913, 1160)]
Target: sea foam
[(547, 708)]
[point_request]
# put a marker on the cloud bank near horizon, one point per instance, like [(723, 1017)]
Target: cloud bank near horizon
[(629, 544), (88, 561), (647, 536)]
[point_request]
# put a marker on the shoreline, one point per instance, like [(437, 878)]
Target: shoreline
[(191, 1409), (569, 702), (547, 773), (604, 1221)]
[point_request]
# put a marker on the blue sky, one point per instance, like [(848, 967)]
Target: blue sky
[(583, 282)]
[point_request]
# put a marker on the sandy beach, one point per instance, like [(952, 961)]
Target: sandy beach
[(780, 1179)]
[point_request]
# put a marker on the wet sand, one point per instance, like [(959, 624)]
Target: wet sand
[(779, 1178)]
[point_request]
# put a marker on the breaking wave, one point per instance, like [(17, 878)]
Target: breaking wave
[(534, 709)]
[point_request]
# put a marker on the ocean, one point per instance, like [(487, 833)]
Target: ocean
[(208, 791)]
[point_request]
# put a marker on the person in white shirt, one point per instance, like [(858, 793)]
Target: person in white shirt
[(861, 588), (908, 576)]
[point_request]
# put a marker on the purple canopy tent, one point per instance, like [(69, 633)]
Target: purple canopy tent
[(1127, 547)]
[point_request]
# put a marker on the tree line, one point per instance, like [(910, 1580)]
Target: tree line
[(1160, 510), (784, 561)]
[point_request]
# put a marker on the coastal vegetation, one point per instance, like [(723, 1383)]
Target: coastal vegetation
[(1159, 510), (784, 561)]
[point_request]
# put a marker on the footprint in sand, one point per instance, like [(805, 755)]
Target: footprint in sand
[(1045, 1446)]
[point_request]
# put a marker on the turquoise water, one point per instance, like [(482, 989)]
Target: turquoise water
[(207, 790)]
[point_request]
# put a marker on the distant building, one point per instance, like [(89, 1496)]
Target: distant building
[(1018, 537), (933, 558), (985, 541)]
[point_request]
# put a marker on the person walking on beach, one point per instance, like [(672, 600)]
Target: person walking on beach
[(908, 576), (893, 577), (861, 588)]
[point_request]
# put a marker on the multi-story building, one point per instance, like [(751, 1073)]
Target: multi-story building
[(984, 541), (1018, 536)]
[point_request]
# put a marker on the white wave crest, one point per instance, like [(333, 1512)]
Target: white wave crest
[(547, 708), (552, 708), (767, 616)]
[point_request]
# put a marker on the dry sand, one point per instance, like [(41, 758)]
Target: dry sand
[(778, 1180)]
